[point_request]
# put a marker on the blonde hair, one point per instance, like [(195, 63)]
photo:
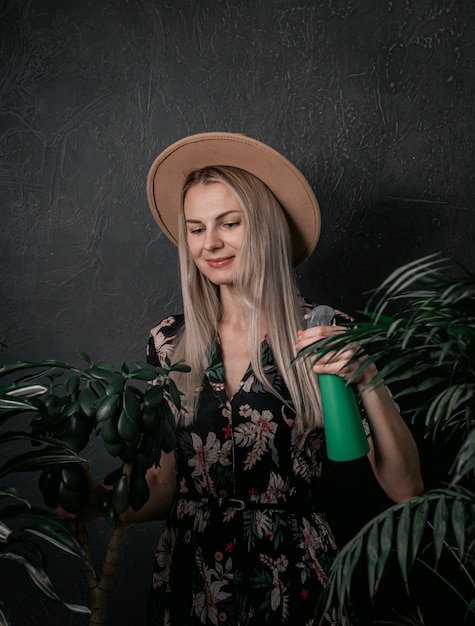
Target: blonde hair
[(266, 283)]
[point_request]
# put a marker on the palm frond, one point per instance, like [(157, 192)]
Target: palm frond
[(449, 513), (426, 347), (419, 328)]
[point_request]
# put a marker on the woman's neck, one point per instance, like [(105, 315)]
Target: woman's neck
[(232, 313)]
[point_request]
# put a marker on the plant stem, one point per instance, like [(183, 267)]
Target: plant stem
[(99, 594)]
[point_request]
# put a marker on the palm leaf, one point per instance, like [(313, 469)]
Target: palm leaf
[(439, 527), (419, 524), (385, 541), (402, 546), (458, 517)]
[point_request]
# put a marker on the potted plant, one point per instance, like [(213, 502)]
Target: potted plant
[(419, 326), (68, 406)]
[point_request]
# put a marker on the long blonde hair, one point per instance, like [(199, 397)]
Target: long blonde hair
[(265, 281)]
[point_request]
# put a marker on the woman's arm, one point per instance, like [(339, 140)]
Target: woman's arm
[(393, 453), (162, 483)]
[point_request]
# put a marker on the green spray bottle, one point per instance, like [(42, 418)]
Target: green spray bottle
[(345, 436)]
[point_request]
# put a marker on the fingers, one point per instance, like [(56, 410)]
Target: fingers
[(63, 514), (334, 362), (315, 333)]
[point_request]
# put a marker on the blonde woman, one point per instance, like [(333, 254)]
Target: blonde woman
[(244, 542)]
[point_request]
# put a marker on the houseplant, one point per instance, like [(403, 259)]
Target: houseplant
[(419, 326), (25, 528), (68, 406)]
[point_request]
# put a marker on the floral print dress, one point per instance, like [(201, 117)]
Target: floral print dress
[(243, 544)]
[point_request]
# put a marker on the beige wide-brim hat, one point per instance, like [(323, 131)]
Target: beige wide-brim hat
[(171, 168)]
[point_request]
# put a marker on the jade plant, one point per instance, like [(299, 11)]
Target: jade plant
[(419, 326), (67, 408)]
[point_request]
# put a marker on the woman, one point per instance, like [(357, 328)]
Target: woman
[(244, 542)]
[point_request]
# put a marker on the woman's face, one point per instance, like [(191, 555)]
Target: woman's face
[(214, 230)]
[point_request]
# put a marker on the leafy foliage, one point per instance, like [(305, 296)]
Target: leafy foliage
[(135, 422), (419, 326), (23, 527)]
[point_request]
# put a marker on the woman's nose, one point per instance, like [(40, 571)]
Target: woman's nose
[(212, 240)]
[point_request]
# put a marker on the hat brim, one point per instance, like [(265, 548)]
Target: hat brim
[(171, 168)]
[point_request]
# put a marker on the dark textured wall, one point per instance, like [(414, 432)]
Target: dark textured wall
[(373, 100)]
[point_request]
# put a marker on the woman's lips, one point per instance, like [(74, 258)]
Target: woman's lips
[(217, 263)]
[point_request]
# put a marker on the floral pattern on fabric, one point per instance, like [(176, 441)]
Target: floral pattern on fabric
[(241, 567)]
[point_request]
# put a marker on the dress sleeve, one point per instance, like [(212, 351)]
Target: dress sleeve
[(162, 339)]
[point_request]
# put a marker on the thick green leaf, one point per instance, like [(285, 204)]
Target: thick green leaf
[(100, 373), (154, 396), (144, 371), (131, 405), (174, 394)]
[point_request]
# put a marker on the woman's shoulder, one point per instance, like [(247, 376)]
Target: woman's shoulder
[(169, 326), (162, 338)]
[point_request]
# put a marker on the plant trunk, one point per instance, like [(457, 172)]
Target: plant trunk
[(99, 587)]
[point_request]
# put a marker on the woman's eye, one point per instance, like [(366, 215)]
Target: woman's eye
[(230, 225), (196, 231)]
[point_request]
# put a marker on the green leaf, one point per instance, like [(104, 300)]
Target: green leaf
[(5, 532), (19, 511), (87, 401), (35, 460), (85, 357), (439, 526), (12, 493), (42, 581), (402, 540), (385, 544), (181, 366), (4, 615), (144, 371), (64, 542), (20, 405), (153, 396), (349, 567), (458, 524), (174, 394), (27, 365), (372, 556), (100, 373), (72, 385), (131, 405), (419, 523)]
